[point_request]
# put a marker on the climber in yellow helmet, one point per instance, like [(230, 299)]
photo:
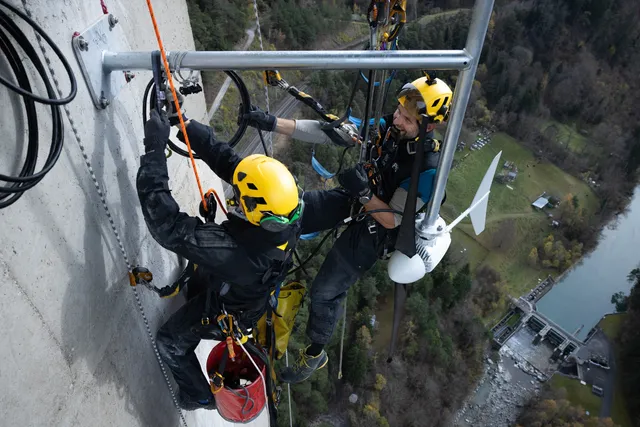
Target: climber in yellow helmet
[(238, 261), (364, 242)]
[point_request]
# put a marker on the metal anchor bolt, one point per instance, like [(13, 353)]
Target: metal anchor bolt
[(82, 43), (112, 21)]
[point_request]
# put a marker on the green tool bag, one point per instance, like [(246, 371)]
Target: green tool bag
[(283, 316)]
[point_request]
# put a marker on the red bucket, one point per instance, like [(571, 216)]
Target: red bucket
[(242, 398)]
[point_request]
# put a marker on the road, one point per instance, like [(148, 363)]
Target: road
[(609, 382)]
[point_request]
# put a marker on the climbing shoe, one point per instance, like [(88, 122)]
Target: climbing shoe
[(303, 367), (191, 405)]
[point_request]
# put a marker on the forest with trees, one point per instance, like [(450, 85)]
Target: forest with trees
[(629, 344), (552, 408), (441, 345), (548, 61)]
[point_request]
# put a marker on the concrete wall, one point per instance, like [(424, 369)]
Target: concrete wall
[(73, 346)]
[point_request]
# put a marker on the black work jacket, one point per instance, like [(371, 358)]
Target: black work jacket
[(237, 252), (395, 162)]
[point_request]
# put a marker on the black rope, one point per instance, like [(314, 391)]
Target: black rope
[(247, 398), (264, 144), (27, 177)]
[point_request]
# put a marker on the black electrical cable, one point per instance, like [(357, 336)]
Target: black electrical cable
[(149, 102), (264, 144), (26, 179), (27, 93), (326, 236)]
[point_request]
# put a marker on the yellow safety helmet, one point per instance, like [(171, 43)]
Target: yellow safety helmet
[(267, 192), (426, 95)]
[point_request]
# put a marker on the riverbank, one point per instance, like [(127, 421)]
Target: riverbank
[(499, 396), (583, 295), (610, 325)]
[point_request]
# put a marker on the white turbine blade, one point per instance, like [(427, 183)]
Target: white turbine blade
[(480, 202), (455, 222)]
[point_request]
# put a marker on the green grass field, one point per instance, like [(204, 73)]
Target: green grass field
[(529, 225), (578, 394), (611, 325), (566, 135)]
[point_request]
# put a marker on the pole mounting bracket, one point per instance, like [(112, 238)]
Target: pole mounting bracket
[(89, 46)]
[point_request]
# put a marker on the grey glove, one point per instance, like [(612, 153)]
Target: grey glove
[(345, 135), (156, 132)]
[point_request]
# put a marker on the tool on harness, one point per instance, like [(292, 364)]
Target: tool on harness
[(432, 145), (158, 80), (389, 17)]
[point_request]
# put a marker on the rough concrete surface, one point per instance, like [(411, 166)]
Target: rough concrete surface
[(75, 350), (521, 343)]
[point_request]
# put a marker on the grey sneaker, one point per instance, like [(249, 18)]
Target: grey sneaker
[(303, 367)]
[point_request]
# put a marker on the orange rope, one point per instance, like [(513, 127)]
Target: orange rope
[(176, 102)]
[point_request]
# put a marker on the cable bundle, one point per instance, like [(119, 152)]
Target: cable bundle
[(13, 187)]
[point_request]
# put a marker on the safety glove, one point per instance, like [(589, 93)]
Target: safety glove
[(260, 120), (170, 105), (345, 135), (156, 132), (356, 182)]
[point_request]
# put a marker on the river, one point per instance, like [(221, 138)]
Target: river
[(583, 295)]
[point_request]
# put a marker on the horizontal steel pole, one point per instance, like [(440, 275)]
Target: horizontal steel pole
[(310, 60)]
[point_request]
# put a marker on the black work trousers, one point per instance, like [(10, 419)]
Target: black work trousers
[(177, 340), (354, 252)]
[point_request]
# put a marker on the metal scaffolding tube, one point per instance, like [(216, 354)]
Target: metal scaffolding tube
[(298, 60), (475, 40)]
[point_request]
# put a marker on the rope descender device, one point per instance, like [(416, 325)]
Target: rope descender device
[(142, 276)]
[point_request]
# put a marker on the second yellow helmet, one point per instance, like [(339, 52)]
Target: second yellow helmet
[(429, 96)]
